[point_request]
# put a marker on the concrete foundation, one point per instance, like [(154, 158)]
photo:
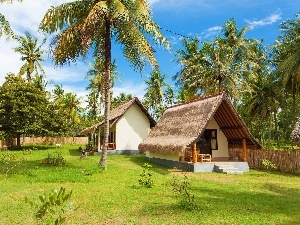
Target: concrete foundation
[(198, 167)]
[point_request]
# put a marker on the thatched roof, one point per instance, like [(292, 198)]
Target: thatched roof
[(183, 124), (117, 113)]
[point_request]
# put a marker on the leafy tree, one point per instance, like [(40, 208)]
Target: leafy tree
[(24, 109), (32, 55), (85, 25)]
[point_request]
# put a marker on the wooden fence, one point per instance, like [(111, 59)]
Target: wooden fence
[(45, 140), (287, 160)]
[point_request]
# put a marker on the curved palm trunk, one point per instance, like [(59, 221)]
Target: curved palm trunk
[(107, 63)]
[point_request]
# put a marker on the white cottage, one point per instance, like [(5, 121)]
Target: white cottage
[(130, 124), (199, 133)]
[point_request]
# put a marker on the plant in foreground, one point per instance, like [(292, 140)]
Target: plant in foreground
[(52, 208), (146, 176), (181, 188)]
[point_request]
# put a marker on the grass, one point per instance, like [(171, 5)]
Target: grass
[(115, 197)]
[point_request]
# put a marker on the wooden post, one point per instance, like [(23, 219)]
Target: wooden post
[(244, 150), (194, 159)]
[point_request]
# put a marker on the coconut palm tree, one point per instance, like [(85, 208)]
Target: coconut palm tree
[(287, 57), (32, 54), (96, 79), (85, 25), (154, 96), (220, 65)]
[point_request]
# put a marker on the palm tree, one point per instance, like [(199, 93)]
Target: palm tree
[(120, 99), (155, 91), (96, 79), (287, 58), (71, 106), (220, 65), (31, 54), (85, 25)]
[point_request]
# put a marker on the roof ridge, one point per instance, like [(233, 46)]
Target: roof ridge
[(198, 99)]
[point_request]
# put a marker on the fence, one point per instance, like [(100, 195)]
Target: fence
[(45, 140), (287, 160)]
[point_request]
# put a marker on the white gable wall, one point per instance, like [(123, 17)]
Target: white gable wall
[(222, 140), (132, 129)]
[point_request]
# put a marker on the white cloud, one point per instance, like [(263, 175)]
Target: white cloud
[(129, 87), (211, 32), (273, 18), (26, 16)]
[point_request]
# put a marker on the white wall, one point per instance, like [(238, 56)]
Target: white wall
[(132, 129), (222, 140), (169, 156)]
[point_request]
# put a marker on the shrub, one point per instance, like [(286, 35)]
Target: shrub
[(52, 208), (54, 160), (181, 188), (146, 177)]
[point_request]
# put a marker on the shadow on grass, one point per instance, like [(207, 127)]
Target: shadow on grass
[(227, 205), (141, 160), (252, 204)]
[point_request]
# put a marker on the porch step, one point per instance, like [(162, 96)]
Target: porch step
[(227, 168)]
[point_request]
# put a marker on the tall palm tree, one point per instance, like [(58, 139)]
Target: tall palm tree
[(85, 25), (96, 79), (71, 106), (32, 54), (220, 65), (287, 57), (155, 92)]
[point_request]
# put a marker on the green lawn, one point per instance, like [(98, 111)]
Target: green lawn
[(115, 197)]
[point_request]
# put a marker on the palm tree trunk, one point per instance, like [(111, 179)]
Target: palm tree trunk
[(107, 63), (276, 129), (294, 103)]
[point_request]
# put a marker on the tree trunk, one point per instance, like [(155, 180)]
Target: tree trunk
[(107, 63), (18, 141), (276, 129)]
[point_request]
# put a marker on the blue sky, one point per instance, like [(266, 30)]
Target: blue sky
[(189, 18)]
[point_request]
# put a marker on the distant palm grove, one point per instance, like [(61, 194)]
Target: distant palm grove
[(263, 82)]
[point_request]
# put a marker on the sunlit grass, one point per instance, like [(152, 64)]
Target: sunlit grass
[(115, 197)]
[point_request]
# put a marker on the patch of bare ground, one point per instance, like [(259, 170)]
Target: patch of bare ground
[(218, 177)]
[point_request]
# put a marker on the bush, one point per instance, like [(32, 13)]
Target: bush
[(146, 177), (181, 188), (52, 208), (54, 160)]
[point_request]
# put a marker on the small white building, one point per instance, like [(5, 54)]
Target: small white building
[(130, 124)]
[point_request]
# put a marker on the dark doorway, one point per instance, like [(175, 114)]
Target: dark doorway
[(208, 141)]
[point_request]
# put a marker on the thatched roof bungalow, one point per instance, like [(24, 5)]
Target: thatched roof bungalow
[(206, 126), (130, 124)]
